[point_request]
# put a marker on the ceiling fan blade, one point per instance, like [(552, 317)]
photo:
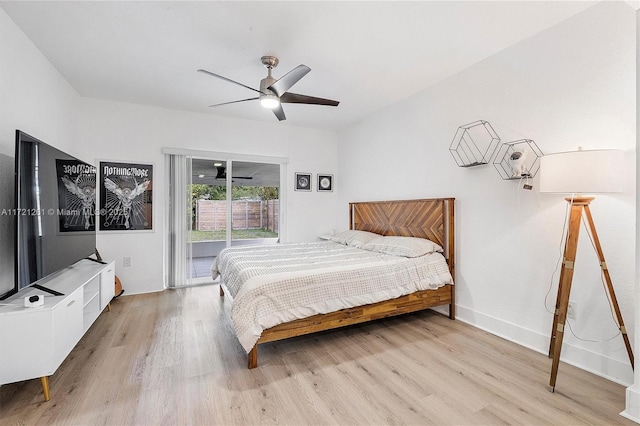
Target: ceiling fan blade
[(289, 79), (221, 173), (234, 102), (228, 79), (234, 177), (279, 112), (294, 98)]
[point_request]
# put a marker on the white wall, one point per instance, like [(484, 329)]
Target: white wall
[(132, 133), (34, 97), (572, 85)]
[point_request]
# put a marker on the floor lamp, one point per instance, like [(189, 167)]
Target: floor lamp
[(579, 172)]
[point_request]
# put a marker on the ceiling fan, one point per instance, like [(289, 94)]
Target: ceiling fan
[(221, 173), (273, 93)]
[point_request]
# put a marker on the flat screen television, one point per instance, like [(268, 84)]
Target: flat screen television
[(7, 224), (55, 198)]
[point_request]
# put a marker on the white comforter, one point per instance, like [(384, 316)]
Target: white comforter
[(273, 284)]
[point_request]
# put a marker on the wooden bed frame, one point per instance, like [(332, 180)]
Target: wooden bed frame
[(431, 218)]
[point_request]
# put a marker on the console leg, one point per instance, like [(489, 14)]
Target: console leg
[(109, 307), (44, 380)]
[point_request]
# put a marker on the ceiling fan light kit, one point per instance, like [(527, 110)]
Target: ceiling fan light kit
[(272, 92), (269, 101)]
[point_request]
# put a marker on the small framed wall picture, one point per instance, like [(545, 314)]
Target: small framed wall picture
[(325, 182), (303, 181)]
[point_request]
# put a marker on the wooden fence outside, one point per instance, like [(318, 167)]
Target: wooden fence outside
[(211, 215)]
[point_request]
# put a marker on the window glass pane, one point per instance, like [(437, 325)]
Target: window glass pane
[(255, 203)]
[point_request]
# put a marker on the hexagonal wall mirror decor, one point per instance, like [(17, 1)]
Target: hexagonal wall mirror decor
[(474, 144), (518, 159)]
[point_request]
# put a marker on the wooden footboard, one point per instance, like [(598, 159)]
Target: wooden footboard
[(413, 302)]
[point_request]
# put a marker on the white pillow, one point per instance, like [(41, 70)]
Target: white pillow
[(354, 238), (402, 246)]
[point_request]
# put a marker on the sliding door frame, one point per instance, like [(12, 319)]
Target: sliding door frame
[(229, 158)]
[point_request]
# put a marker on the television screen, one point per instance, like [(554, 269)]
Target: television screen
[(55, 210), (7, 225)]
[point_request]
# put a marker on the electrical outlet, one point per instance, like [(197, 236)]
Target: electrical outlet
[(572, 310), (126, 262)]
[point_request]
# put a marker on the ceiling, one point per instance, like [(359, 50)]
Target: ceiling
[(367, 55)]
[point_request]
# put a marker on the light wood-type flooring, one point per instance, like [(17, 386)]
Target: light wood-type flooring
[(171, 358)]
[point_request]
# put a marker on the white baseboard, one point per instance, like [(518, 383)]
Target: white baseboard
[(632, 411), (597, 364)]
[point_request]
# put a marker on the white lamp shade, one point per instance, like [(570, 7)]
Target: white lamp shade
[(582, 172)]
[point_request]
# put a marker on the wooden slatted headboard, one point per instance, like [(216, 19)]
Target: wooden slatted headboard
[(432, 219)]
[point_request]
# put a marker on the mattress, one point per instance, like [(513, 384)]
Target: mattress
[(274, 284)]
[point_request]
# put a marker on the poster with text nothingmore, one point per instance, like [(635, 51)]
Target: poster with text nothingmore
[(126, 196)]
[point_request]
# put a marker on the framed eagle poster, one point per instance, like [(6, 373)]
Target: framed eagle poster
[(126, 195), (76, 196)]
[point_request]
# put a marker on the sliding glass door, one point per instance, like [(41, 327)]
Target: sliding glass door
[(234, 203), (229, 203)]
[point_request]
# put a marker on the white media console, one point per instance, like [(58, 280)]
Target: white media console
[(35, 341)]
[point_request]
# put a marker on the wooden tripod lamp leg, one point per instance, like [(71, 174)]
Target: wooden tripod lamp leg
[(578, 205), (564, 288), (556, 312), (607, 278)]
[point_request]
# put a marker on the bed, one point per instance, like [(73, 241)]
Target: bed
[(370, 272)]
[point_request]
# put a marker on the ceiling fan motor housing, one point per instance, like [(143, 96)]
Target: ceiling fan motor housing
[(265, 83), (270, 62), (266, 93)]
